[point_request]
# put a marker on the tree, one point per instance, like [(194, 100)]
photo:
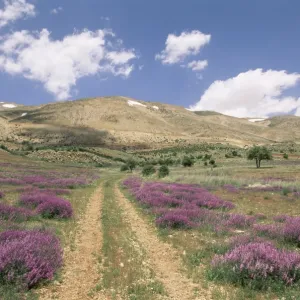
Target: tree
[(131, 164), (258, 154), (285, 156)]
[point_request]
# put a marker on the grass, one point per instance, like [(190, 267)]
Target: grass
[(198, 246), (64, 229), (126, 272)]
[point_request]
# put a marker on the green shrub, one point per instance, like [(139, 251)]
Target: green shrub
[(285, 191), (212, 162), (207, 156), (163, 171), (124, 168), (285, 156), (234, 153), (187, 162), (131, 164), (148, 170), (205, 163), (3, 147)]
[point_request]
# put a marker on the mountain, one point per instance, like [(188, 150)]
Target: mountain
[(121, 121)]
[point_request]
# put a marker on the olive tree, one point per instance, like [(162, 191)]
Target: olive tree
[(258, 154)]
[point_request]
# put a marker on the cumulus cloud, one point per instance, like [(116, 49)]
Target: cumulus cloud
[(180, 47), (14, 10), (58, 64), (197, 65), (255, 93), (55, 11)]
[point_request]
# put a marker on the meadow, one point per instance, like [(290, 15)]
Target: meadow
[(209, 231), (237, 227), (40, 205)]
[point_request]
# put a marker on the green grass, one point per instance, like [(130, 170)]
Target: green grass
[(126, 272)]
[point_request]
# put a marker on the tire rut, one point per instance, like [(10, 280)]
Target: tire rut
[(80, 272), (163, 257)]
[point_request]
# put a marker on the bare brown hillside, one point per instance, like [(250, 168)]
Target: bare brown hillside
[(121, 121)]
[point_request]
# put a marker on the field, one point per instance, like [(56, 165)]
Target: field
[(222, 230)]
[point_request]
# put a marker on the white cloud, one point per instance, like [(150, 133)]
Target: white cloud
[(197, 65), (14, 10), (58, 64), (179, 47), (255, 93), (57, 10)]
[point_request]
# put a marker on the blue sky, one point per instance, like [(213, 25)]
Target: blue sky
[(253, 52)]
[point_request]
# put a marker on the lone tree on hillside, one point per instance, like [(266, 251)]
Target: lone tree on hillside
[(259, 153)]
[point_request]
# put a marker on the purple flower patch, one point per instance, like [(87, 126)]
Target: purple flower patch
[(27, 257)]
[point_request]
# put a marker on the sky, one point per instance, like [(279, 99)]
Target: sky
[(239, 58)]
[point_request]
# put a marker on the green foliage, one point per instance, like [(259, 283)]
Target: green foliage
[(148, 170), (124, 168), (3, 147), (187, 162), (212, 162), (163, 171), (167, 161), (207, 156), (205, 163), (131, 164), (258, 154), (285, 156), (285, 191), (234, 153)]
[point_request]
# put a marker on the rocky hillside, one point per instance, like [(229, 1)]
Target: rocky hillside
[(121, 121)]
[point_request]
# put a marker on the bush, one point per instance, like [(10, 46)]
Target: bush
[(55, 208), (234, 153), (148, 170), (131, 164), (33, 200), (212, 162), (174, 220), (205, 163), (124, 168), (14, 214), (285, 156), (285, 191), (28, 257), (187, 162), (3, 147), (207, 156), (163, 171), (257, 265)]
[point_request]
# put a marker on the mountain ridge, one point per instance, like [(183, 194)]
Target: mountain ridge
[(122, 121)]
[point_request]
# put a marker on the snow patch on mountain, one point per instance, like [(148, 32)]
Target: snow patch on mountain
[(9, 105), (256, 120), (135, 103)]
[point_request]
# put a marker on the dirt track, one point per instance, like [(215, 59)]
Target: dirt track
[(164, 259), (80, 273)]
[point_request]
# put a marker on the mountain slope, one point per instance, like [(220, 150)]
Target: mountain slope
[(121, 121)]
